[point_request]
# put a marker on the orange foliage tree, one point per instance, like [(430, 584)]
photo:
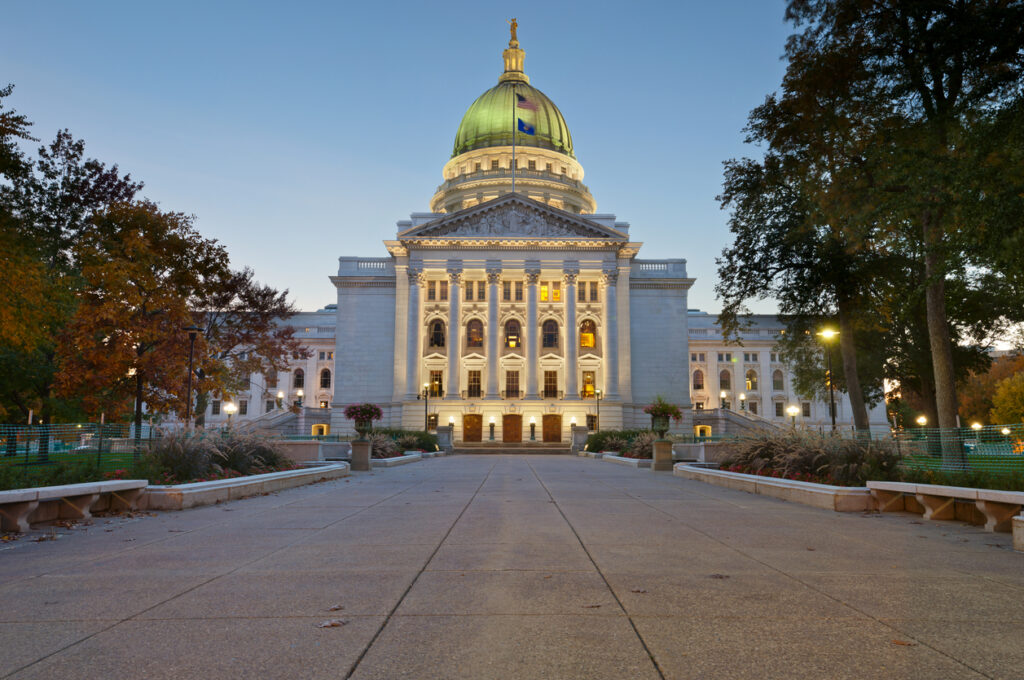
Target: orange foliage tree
[(978, 390)]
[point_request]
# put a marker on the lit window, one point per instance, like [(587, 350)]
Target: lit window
[(512, 333), (323, 403), (698, 406), (588, 334), (751, 379), (436, 384), (556, 291), (588, 385), (544, 292), (330, 356)]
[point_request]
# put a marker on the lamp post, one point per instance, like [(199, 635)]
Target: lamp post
[(792, 410), (425, 395), (280, 399), (827, 335), (597, 397), (722, 401), (299, 393), (230, 409), (192, 332), (491, 425), (743, 401), (533, 428)]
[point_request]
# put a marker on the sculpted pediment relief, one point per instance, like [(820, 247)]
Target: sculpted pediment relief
[(514, 219)]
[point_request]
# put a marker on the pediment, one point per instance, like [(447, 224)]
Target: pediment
[(512, 217)]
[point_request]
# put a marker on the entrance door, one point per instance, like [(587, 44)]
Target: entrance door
[(472, 427), (512, 428), (552, 428)]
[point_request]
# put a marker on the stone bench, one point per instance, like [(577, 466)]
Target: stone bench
[(20, 508), (992, 507)]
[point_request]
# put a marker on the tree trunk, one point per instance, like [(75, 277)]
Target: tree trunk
[(138, 412), (848, 351), (939, 341), (199, 415)]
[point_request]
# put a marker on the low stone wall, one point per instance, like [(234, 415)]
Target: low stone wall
[(632, 462), (397, 460), (181, 496), (825, 496), (301, 451), (1018, 533)]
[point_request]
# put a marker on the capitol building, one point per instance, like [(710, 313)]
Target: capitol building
[(514, 303)]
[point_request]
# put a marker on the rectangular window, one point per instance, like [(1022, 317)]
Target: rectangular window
[(243, 407), (469, 291), (777, 381), (724, 357), (519, 291), (476, 167), (215, 407), (442, 290), (512, 384), (494, 165), (774, 357), (556, 291), (481, 288), (548, 167), (473, 384), (532, 165), (436, 384), (544, 291), (432, 422), (593, 291), (550, 384), (323, 356), (778, 409), (750, 357), (806, 407), (588, 385), (330, 356), (323, 403), (693, 357), (270, 404), (506, 291), (699, 406), (581, 292), (591, 418), (431, 290), (753, 407)]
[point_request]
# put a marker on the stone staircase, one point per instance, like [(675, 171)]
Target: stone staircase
[(517, 448)]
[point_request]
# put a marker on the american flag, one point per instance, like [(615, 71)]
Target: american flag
[(524, 103)]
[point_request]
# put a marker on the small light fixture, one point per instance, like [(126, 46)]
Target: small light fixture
[(975, 426), (828, 333), (722, 395), (492, 420), (793, 410), (1005, 431), (572, 421), (451, 420), (230, 408), (922, 420), (280, 394), (533, 421), (299, 393)]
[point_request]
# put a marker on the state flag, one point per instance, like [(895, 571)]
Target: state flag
[(526, 128)]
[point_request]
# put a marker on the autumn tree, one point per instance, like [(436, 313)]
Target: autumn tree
[(242, 325), (1008, 400), (978, 389), (126, 343)]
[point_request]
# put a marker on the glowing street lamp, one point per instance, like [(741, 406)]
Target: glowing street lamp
[(922, 420), (792, 410), (723, 402), (743, 401), (230, 409), (299, 393), (827, 335), (280, 399), (491, 426), (425, 394), (975, 426), (1005, 431)]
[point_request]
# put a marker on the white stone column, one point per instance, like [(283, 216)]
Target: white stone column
[(532, 346), (611, 335), (572, 343), (493, 333), (413, 335), (453, 389)]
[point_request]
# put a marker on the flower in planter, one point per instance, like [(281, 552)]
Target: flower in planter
[(363, 412), (663, 409)]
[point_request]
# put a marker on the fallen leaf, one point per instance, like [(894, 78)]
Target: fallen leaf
[(914, 521), (719, 576), (638, 590), (548, 576), (333, 623), (591, 606), (904, 643), (335, 608), (811, 549)]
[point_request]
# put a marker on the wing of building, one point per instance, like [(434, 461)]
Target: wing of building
[(515, 303)]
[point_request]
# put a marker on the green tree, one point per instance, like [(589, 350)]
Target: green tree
[(1008, 401)]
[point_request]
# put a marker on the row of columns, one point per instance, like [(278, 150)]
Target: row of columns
[(414, 349)]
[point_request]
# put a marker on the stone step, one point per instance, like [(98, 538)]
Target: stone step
[(529, 448)]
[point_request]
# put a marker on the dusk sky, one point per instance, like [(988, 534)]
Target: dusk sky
[(298, 132)]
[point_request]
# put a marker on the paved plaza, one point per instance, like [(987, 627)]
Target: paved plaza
[(513, 567)]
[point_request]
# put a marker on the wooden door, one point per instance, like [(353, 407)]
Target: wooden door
[(472, 427), (512, 428), (552, 427)]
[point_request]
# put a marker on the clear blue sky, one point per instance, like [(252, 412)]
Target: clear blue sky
[(300, 131)]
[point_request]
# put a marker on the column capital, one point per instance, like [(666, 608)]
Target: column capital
[(416, 275), (610, 276), (455, 274), (533, 276), (494, 275), (570, 277)]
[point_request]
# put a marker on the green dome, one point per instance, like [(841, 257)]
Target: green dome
[(488, 121)]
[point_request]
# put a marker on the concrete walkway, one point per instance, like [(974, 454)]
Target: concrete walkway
[(513, 567)]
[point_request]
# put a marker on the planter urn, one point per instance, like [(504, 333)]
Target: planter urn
[(660, 425)]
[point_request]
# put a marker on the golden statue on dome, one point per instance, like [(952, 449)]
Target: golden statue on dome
[(513, 25)]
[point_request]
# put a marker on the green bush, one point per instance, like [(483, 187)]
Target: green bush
[(52, 474), (810, 456), (599, 441), (177, 458)]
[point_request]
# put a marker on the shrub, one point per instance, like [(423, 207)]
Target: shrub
[(598, 441), (617, 444), (382, 445), (829, 459), (642, 445), (248, 454), (407, 442), (53, 474), (424, 440), (178, 457)]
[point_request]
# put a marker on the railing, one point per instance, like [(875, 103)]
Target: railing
[(512, 395), (551, 394), (520, 174), (995, 449), (375, 263), (653, 266), (472, 394)]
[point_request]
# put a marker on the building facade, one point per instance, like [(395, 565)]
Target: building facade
[(515, 310)]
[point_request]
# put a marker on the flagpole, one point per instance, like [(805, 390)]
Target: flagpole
[(513, 139)]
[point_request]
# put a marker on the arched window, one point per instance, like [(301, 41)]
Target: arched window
[(437, 333), (588, 334), (725, 380), (298, 379), (512, 334), (751, 380), (475, 333), (777, 381), (325, 379), (698, 379), (550, 332)]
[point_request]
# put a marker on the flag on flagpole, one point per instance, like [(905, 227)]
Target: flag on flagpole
[(524, 103), (526, 128)]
